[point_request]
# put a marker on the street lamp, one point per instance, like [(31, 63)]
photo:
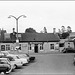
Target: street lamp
[(17, 18)]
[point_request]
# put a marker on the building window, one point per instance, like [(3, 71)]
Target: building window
[(61, 45), (2, 47), (68, 45), (7, 47), (41, 46), (51, 46), (30, 47)]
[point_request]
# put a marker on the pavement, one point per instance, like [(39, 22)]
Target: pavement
[(48, 64)]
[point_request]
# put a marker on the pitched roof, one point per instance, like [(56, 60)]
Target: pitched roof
[(35, 37), (40, 37), (72, 34)]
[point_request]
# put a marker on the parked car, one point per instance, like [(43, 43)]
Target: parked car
[(24, 60), (5, 53), (12, 61), (1, 55), (68, 50), (28, 57), (32, 59), (24, 56), (5, 65), (16, 60)]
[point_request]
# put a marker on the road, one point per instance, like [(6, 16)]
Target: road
[(48, 64)]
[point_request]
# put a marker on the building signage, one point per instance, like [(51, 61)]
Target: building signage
[(36, 42), (19, 35)]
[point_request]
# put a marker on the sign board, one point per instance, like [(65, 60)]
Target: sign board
[(19, 35), (36, 42)]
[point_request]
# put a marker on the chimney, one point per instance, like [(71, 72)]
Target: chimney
[(54, 30), (59, 31), (13, 30)]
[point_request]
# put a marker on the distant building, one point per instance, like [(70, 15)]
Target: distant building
[(32, 42)]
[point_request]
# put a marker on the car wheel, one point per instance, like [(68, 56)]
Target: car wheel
[(15, 66), (74, 63), (8, 70)]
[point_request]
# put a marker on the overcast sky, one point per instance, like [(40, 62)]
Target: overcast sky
[(40, 14)]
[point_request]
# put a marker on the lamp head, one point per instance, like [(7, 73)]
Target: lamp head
[(24, 16), (9, 17)]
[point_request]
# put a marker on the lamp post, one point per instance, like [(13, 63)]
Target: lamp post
[(17, 18)]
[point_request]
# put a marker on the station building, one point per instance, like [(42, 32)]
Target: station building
[(31, 42)]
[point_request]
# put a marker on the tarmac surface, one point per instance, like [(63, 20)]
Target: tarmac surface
[(48, 64)]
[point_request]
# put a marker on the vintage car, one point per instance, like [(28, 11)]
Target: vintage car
[(27, 56), (15, 60), (5, 65), (68, 50), (23, 60)]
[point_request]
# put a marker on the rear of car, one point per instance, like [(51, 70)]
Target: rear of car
[(16, 61), (11, 59), (23, 60), (26, 59), (5, 65)]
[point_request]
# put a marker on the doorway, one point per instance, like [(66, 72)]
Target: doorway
[(36, 48)]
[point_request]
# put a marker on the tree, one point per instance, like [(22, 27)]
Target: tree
[(2, 33), (69, 29), (30, 30), (41, 31), (63, 29)]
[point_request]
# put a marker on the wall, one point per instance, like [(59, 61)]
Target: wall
[(25, 47), (47, 47), (71, 44)]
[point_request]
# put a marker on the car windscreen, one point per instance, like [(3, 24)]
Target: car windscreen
[(11, 58)]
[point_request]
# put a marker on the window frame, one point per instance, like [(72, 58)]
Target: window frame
[(41, 46), (7, 47), (51, 47)]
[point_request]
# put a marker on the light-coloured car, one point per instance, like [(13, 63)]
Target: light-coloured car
[(30, 58), (23, 60), (24, 56), (11, 59), (5, 65), (16, 60), (5, 53)]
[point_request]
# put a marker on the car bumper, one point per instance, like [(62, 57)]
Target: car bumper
[(19, 65)]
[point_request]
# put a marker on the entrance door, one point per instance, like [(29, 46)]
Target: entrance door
[(36, 48)]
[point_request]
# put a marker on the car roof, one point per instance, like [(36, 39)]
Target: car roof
[(4, 58)]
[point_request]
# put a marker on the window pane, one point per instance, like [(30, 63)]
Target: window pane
[(7, 47), (52, 46), (2, 47), (61, 45)]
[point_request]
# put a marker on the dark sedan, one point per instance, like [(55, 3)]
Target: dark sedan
[(68, 50)]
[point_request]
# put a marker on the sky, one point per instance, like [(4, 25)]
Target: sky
[(39, 14)]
